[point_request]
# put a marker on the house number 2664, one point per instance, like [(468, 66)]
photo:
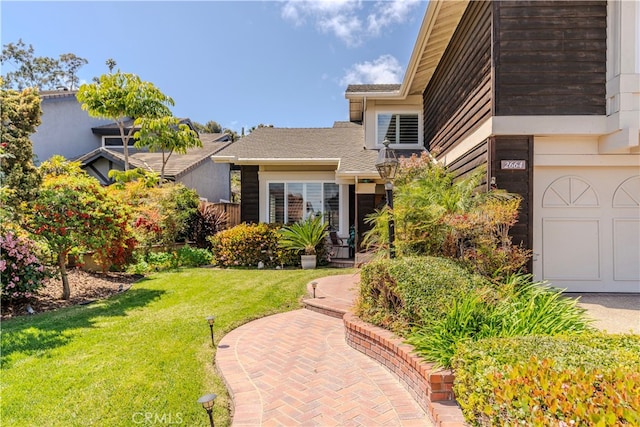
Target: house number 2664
[(513, 164)]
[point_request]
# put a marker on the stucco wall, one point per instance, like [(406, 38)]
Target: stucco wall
[(65, 130), (210, 180)]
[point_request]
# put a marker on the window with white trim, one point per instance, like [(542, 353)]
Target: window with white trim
[(116, 141), (398, 128), (293, 201)]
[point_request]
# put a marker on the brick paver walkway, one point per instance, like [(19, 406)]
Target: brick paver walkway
[(296, 369)]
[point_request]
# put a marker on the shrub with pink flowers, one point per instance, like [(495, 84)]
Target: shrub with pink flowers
[(21, 271)]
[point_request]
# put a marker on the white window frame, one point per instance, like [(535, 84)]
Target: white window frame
[(105, 137), (417, 112), (302, 181)]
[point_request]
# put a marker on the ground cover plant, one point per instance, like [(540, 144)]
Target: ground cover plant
[(589, 379), (185, 256), (144, 351), (520, 308)]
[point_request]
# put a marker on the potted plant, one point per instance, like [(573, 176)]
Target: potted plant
[(304, 236)]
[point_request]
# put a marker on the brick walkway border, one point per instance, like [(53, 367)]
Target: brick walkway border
[(431, 388)]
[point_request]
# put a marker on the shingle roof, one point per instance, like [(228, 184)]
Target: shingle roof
[(52, 94), (373, 88), (177, 165), (342, 145)]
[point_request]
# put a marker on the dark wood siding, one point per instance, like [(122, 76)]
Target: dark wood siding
[(458, 97), (365, 204), (515, 181), (249, 194), (550, 57), (471, 160)]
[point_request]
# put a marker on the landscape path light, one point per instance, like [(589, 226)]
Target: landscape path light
[(207, 402), (211, 320)]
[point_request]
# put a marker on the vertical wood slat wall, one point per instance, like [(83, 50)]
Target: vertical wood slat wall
[(250, 195)]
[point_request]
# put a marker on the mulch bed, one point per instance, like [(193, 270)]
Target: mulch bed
[(85, 288)]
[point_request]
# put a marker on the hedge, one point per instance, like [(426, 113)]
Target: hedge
[(408, 292)]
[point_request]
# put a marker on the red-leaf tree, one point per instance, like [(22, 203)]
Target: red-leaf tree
[(73, 212)]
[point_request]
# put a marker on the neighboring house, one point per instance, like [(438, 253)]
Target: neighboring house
[(69, 131), (546, 94), (65, 129)]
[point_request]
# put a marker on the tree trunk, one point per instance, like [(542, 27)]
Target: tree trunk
[(66, 290)]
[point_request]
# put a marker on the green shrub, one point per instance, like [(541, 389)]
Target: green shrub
[(412, 292), (194, 257), (523, 308), (246, 245), (437, 214), (586, 379), (469, 318), (185, 256)]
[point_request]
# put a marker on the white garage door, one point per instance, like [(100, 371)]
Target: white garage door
[(587, 228)]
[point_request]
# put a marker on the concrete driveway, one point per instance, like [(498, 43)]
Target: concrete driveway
[(614, 313)]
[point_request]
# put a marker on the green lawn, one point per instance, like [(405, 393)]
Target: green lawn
[(140, 358)]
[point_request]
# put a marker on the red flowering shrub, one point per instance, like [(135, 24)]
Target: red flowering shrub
[(74, 213)]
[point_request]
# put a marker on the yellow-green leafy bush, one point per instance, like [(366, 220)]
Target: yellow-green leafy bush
[(246, 245), (588, 379)]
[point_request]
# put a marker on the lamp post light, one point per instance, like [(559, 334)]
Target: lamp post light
[(387, 166), (314, 285), (207, 402), (211, 320)]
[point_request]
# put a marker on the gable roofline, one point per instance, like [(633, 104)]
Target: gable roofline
[(59, 93), (438, 25), (112, 129), (341, 147), (177, 166)]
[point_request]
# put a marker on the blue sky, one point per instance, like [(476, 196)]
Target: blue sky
[(240, 63)]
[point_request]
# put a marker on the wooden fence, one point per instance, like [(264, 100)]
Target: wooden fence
[(231, 209)]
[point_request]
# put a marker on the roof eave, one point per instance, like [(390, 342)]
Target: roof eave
[(431, 18), (358, 95), (288, 161)]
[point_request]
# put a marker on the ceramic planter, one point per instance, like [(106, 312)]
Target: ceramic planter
[(308, 262)]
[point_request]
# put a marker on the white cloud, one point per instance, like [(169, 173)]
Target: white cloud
[(385, 69), (388, 13), (346, 28), (344, 18)]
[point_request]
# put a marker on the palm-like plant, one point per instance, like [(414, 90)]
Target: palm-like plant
[(305, 235)]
